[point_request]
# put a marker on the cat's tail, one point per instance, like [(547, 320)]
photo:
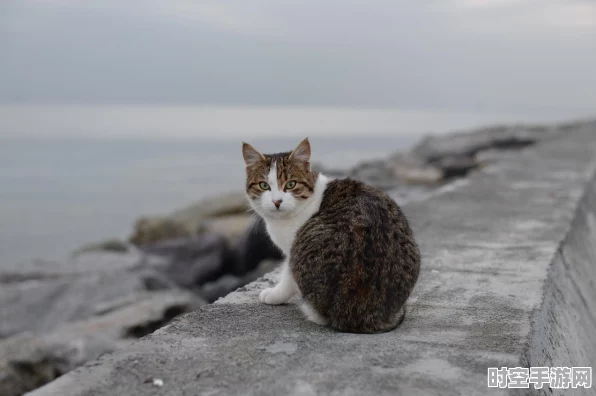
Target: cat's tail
[(367, 328), (394, 324), (398, 320), (401, 315)]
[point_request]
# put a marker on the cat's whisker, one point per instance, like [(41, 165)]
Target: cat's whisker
[(249, 211), (254, 224), (294, 214)]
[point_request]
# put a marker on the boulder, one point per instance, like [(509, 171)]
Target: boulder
[(200, 259), (193, 220), (484, 157), (194, 260), (39, 295), (192, 217), (110, 245), (455, 166), (403, 194), (56, 315), (398, 169), (24, 365), (43, 304), (150, 230), (320, 168), (228, 283), (87, 263), (411, 169), (378, 174), (254, 247), (232, 227), (29, 360), (467, 144)]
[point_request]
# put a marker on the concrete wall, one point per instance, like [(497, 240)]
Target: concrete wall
[(564, 327), (507, 280)]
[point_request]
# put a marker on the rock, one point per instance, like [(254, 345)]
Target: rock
[(225, 205), (110, 245), (488, 156), (202, 259), (195, 260), (457, 154), (28, 360), (320, 168), (254, 247), (56, 315), (91, 262), (438, 158), (43, 304), (467, 144), (189, 221), (151, 230), (404, 194), (414, 170), (39, 295), (224, 285), (23, 365), (378, 174), (232, 227), (455, 166), (228, 283), (399, 169)]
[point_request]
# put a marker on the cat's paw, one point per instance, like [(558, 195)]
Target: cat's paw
[(272, 296)]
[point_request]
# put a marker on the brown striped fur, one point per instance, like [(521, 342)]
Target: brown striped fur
[(349, 249), (356, 261)]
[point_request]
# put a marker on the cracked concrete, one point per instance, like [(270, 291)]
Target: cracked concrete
[(507, 279)]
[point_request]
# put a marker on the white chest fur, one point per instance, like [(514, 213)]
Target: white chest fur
[(283, 231)]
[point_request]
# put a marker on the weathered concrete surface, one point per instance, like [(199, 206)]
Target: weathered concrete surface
[(507, 280), (564, 329)]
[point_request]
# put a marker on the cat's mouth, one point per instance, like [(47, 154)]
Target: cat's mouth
[(276, 213)]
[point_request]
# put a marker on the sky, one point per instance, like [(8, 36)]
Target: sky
[(461, 55)]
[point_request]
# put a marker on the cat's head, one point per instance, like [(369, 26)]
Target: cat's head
[(279, 185)]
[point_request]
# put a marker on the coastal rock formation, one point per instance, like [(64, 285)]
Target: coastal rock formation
[(438, 159), (29, 359), (56, 315), (149, 230), (202, 217)]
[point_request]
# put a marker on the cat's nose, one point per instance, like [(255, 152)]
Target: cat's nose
[(277, 203)]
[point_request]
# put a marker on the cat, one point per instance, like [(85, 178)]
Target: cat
[(349, 250)]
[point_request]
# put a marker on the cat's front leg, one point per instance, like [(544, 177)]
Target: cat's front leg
[(283, 291)]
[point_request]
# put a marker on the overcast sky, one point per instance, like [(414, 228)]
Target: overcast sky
[(494, 55)]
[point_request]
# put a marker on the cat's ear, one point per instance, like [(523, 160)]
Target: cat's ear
[(251, 155), (302, 152)]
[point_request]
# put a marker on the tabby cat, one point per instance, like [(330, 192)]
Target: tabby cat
[(349, 250)]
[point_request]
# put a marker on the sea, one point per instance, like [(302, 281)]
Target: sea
[(73, 174)]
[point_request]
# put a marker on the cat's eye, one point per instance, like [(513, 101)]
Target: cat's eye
[(290, 185), (264, 186)]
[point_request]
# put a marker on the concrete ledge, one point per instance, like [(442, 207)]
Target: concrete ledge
[(507, 279), (564, 327)]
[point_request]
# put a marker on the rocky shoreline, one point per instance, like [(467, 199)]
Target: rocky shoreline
[(54, 316)]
